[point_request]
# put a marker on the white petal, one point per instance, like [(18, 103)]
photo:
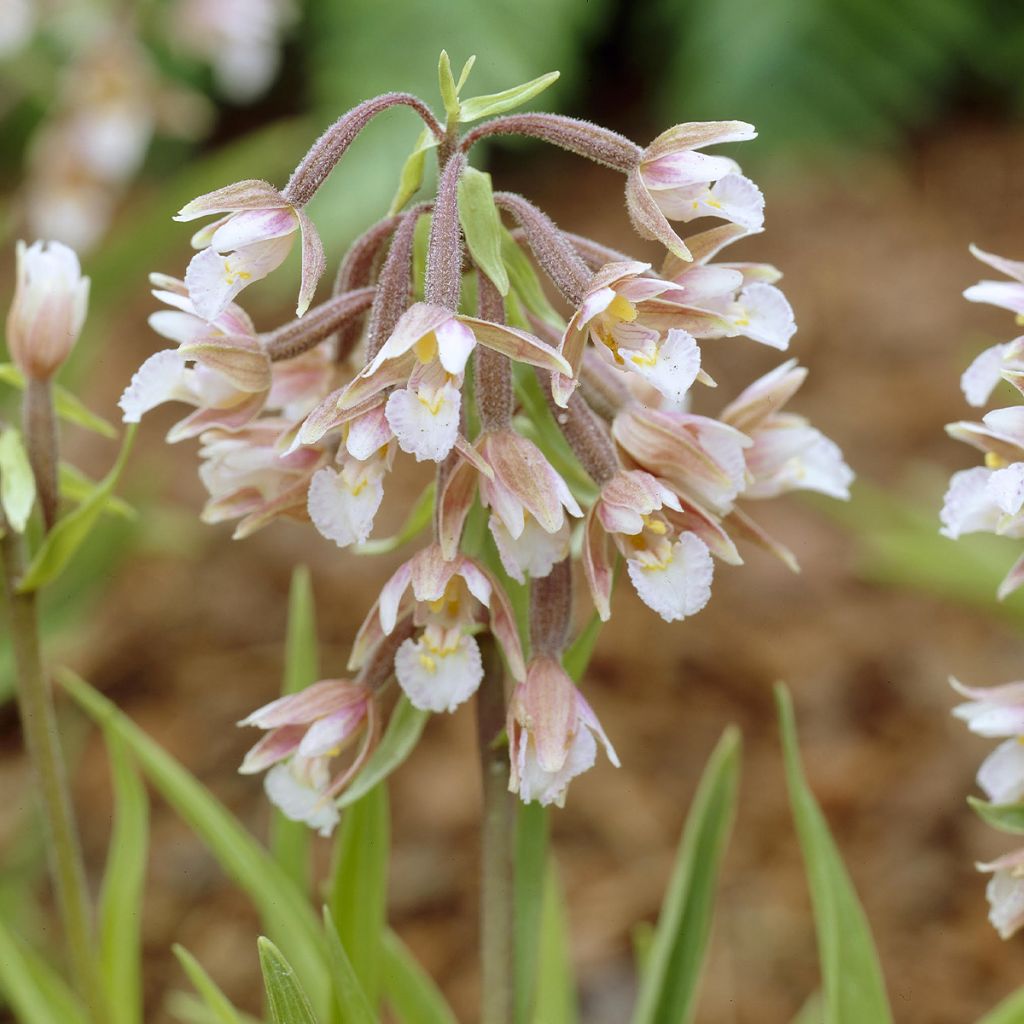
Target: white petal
[(766, 315), (534, 551), (161, 378), (455, 342), (342, 512), (1001, 774), (439, 680), (298, 799), (1006, 902), (671, 368), (425, 423), (214, 280), (1006, 488), (980, 378), (968, 507), (550, 787), (679, 586)]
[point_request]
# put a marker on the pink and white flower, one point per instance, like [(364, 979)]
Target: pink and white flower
[(343, 502), (527, 498), (248, 243), (306, 731), (670, 569), (1005, 892), (1004, 294), (552, 732), (674, 181), (219, 366), (50, 301), (440, 667), (992, 710), (427, 353)]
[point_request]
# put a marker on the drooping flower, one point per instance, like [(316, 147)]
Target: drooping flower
[(219, 366), (1005, 892), (674, 181), (427, 352), (670, 568), (306, 731), (552, 733), (248, 243), (440, 667), (527, 498), (48, 310)]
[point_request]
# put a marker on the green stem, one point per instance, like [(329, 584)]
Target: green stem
[(40, 425), (497, 891), (39, 722)]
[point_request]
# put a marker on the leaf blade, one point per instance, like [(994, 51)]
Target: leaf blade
[(288, 1003), (669, 984), (408, 988), (209, 991), (477, 107), (349, 998), (482, 226), (17, 481)]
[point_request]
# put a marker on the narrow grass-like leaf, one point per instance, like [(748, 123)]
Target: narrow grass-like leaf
[(17, 482), (290, 840), (417, 520), (532, 828), (76, 486), (359, 885), (852, 982), (209, 991), (812, 1012), (350, 1000), (283, 907), (508, 99), (448, 87), (1005, 817), (482, 226), (288, 1003), (64, 539), (397, 743), (32, 988), (65, 404), (668, 987), (409, 990), (1009, 1011), (556, 987), (121, 897)]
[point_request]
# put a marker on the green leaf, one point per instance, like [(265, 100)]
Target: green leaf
[(32, 988), (532, 828), (17, 482), (411, 178), (556, 989), (525, 283), (449, 89), (349, 998), (120, 905), (668, 987), (66, 537), (217, 1003), (852, 982), (359, 885), (482, 226), (1009, 1011), (65, 404), (1005, 817), (418, 518), (288, 1003), (290, 840), (410, 991), (284, 908), (578, 655), (812, 1012), (400, 737), (76, 486), (498, 102)]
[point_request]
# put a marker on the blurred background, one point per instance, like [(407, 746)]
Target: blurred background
[(890, 138)]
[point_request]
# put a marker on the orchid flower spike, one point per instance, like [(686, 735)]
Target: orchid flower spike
[(250, 241)]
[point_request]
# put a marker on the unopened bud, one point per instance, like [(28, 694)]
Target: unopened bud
[(46, 316)]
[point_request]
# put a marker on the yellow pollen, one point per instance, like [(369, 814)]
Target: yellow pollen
[(426, 348), (994, 461), (622, 309), (1020, 319), (644, 360), (656, 526), (713, 203), (428, 663), (231, 276), (611, 344), (358, 489), (742, 321), (433, 404)]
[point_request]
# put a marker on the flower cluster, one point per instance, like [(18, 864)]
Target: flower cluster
[(580, 442), (990, 499)]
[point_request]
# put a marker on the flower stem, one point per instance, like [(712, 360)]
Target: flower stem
[(40, 425), (39, 722), (497, 891)]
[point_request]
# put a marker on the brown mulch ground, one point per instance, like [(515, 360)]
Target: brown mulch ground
[(875, 259)]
